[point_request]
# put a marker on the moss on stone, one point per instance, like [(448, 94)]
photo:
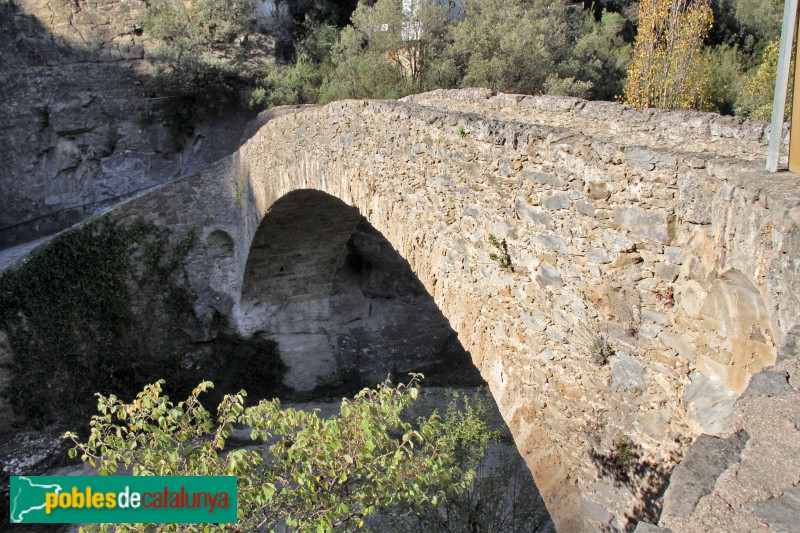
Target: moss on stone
[(106, 308)]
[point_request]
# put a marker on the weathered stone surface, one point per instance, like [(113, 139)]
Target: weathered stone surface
[(83, 146), (655, 225), (698, 472), (768, 384), (6, 411), (28, 453), (758, 490), (674, 255), (709, 402), (598, 191), (781, 513), (644, 527), (680, 344), (640, 158), (695, 198), (597, 255), (551, 242), (556, 201), (668, 273), (548, 276), (653, 316), (627, 374), (617, 242), (533, 214), (543, 178)]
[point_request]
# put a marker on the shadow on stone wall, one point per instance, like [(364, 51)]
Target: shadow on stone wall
[(344, 307)]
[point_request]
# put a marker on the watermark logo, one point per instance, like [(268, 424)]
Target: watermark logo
[(122, 499)]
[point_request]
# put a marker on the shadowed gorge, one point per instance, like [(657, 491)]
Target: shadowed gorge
[(338, 299)]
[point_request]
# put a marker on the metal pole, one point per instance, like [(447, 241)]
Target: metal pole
[(781, 83)]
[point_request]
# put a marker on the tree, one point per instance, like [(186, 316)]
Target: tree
[(668, 70), (387, 51), (307, 473), (601, 55), (725, 78), (762, 17), (501, 498), (758, 88), (209, 49), (511, 46)]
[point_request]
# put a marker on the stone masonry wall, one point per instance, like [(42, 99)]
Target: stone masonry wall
[(654, 231), (84, 125)]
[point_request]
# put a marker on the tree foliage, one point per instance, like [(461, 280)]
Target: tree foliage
[(307, 473), (501, 497), (761, 17), (757, 92), (668, 70), (510, 46), (601, 55), (679, 59), (209, 48), (386, 52)]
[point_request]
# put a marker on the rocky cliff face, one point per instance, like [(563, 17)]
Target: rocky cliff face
[(83, 123)]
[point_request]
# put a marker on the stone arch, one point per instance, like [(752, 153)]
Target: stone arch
[(221, 239), (339, 300)]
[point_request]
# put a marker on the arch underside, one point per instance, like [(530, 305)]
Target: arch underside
[(338, 299)]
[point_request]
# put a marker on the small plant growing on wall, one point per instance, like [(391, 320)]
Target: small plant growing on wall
[(501, 257), (625, 454), (622, 462), (600, 350), (462, 132), (596, 345)]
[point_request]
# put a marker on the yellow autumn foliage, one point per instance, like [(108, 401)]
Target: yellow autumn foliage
[(668, 68), (756, 96)]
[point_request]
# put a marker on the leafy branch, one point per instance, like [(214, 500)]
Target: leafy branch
[(502, 256)]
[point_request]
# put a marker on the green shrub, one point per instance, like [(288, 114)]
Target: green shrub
[(509, 46), (501, 256), (601, 56), (308, 473), (758, 89), (208, 49), (724, 79), (106, 306)]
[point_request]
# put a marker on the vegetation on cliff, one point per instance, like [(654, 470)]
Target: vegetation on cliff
[(81, 316), (663, 53)]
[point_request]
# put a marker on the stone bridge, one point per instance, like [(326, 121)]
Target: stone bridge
[(614, 273)]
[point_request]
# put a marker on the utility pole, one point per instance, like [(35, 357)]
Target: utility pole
[(781, 89)]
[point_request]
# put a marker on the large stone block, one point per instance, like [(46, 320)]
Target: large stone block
[(552, 243), (533, 214), (556, 201), (697, 474), (654, 224), (627, 374), (547, 276), (709, 402)]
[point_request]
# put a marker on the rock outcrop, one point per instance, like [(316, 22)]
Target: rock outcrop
[(84, 125)]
